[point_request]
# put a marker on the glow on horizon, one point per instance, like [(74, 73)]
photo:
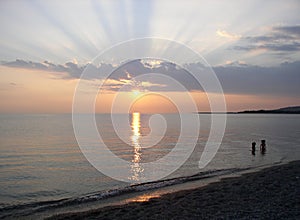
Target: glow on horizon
[(32, 91)]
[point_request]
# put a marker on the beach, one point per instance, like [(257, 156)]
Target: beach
[(271, 193)]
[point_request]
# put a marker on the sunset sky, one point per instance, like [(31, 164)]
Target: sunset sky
[(252, 46)]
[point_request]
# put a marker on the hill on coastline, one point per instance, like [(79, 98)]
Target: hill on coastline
[(286, 110)]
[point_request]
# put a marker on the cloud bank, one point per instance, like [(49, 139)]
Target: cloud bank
[(235, 77)]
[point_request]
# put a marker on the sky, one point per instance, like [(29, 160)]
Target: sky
[(253, 47)]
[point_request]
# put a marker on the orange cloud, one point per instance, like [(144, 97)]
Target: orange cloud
[(225, 34)]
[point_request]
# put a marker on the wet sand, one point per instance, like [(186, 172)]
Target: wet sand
[(272, 193)]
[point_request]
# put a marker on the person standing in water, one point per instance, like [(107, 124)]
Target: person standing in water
[(253, 148), (263, 146)]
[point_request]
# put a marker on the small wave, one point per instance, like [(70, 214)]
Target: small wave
[(30, 208)]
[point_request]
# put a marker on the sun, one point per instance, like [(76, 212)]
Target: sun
[(136, 92)]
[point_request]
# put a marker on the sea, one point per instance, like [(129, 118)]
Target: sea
[(44, 172)]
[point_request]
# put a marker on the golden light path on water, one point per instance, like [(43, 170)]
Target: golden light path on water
[(136, 168)]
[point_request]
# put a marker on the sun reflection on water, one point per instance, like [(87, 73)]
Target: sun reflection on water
[(136, 167)]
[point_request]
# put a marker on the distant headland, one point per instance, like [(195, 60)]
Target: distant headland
[(286, 110)]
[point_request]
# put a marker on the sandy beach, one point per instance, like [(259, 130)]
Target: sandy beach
[(272, 193)]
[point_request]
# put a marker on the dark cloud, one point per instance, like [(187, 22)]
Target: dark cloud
[(24, 64), (290, 47), (132, 69), (72, 69), (279, 39), (275, 37), (293, 30), (283, 80), (36, 65), (294, 46), (235, 78)]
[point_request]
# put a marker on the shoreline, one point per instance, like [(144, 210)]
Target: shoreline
[(271, 193)]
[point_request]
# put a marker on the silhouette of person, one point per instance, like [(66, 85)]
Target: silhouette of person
[(253, 148), (263, 146)]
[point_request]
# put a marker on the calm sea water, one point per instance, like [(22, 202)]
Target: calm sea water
[(40, 160)]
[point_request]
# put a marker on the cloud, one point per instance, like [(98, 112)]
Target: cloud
[(228, 35), (236, 77), (282, 80), (290, 47), (72, 69), (128, 72), (278, 39), (8, 86), (293, 30), (151, 63), (236, 63), (24, 64)]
